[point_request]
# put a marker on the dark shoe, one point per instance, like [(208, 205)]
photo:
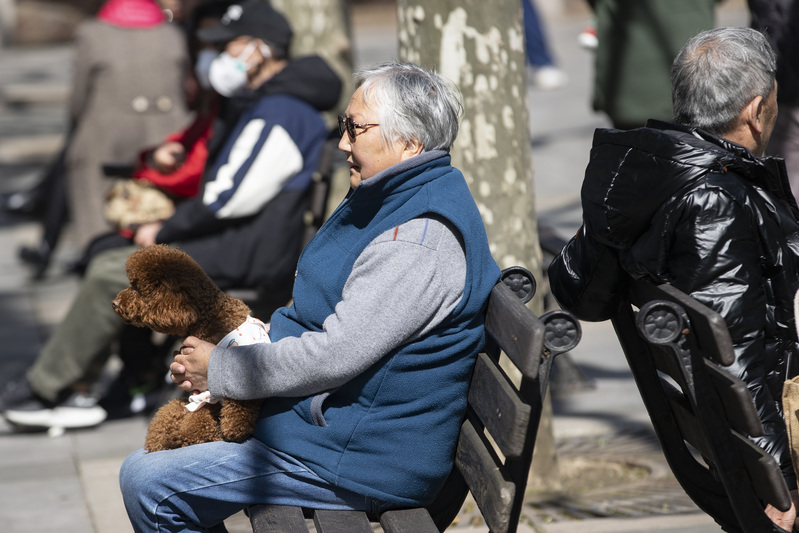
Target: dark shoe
[(126, 402), (36, 256), (29, 202), (17, 393), (77, 411)]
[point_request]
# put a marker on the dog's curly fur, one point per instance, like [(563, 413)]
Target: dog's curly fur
[(170, 293)]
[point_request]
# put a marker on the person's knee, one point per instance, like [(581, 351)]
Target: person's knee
[(108, 264), (135, 476)]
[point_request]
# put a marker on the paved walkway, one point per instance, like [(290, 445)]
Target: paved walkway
[(68, 484)]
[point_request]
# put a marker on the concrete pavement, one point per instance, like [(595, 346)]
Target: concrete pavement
[(68, 484)]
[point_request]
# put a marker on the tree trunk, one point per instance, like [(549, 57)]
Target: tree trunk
[(323, 27), (479, 45)]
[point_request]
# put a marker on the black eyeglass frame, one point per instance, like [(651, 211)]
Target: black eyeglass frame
[(349, 125)]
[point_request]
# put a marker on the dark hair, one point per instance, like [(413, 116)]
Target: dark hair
[(210, 9)]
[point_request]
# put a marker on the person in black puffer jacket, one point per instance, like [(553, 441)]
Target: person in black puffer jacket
[(696, 205)]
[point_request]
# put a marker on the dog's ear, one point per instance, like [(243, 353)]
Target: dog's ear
[(170, 291), (173, 317)]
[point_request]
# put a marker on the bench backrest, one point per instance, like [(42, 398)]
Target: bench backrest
[(319, 191), (508, 409), (702, 414)]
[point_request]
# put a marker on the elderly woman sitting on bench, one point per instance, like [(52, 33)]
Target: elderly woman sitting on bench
[(366, 378)]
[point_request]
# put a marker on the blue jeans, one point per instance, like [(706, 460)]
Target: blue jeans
[(197, 487), (535, 40)]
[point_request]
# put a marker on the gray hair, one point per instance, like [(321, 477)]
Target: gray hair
[(717, 73), (412, 104)]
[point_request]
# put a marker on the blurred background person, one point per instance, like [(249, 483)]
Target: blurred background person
[(779, 22), (127, 92), (637, 42), (546, 74), (245, 227), (173, 169)]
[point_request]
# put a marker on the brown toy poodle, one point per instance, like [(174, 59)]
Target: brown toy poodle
[(170, 293)]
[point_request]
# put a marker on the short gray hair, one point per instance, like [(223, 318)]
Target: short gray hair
[(717, 73), (412, 104)]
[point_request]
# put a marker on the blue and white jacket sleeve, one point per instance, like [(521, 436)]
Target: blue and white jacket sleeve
[(259, 158)]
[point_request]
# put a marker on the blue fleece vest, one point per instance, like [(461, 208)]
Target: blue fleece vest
[(390, 432)]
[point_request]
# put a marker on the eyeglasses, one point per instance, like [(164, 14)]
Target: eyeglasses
[(348, 125)]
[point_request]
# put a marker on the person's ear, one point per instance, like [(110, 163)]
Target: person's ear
[(412, 148), (753, 114)]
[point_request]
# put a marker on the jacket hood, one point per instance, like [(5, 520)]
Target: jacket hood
[(632, 173), (308, 78)]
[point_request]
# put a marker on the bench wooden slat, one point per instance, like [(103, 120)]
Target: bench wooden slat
[(408, 521), (341, 522), (516, 329), (690, 428), (736, 400), (496, 403), (763, 470), (482, 471), (277, 519)]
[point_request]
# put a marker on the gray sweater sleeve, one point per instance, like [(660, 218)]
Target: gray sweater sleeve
[(402, 285)]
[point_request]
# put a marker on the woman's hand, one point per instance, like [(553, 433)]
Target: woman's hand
[(190, 369)]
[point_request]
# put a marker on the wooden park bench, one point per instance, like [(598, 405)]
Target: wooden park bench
[(702, 415), (493, 469)]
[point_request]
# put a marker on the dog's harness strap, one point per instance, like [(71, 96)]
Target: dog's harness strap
[(198, 400), (252, 331)]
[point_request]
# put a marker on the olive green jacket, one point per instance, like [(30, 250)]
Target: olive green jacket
[(638, 40)]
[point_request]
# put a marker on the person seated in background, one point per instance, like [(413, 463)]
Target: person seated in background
[(127, 92), (171, 171), (367, 374), (695, 204), (244, 228)]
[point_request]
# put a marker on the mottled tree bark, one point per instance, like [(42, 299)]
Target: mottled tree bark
[(323, 27), (479, 45)]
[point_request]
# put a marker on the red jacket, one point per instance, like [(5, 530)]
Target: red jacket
[(185, 181)]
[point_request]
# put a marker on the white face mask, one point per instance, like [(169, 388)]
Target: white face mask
[(228, 74), (203, 66)]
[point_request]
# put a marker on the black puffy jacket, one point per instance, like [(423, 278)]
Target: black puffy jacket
[(678, 205)]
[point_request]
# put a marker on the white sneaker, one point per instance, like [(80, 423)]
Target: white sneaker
[(77, 411), (549, 78), (588, 39)]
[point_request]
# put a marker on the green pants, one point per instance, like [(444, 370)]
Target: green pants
[(83, 340)]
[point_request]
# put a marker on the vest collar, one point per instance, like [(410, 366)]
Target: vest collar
[(380, 179)]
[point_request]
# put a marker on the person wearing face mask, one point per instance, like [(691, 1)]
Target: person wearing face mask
[(175, 167), (115, 107), (244, 227)]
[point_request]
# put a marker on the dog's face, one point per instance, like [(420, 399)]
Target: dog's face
[(168, 290)]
